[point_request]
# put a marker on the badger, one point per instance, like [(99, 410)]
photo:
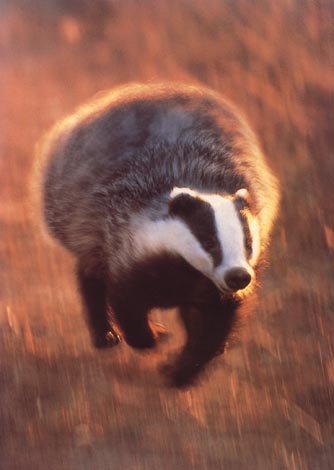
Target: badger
[(163, 196)]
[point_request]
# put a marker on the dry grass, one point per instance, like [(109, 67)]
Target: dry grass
[(269, 403)]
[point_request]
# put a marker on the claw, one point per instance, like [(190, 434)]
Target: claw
[(160, 331), (111, 339)]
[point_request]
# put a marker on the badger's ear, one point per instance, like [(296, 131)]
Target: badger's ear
[(242, 194), (242, 198), (181, 202)]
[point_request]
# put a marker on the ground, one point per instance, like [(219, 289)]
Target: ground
[(267, 404)]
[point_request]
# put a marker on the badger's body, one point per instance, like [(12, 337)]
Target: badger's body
[(164, 197)]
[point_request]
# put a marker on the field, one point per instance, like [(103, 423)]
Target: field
[(267, 404)]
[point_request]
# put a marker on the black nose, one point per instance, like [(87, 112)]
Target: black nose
[(237, 278)]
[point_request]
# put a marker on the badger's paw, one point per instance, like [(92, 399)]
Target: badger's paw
[(180, 376), (160, 332), (109, 340)]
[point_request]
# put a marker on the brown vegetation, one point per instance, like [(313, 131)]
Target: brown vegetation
[(269, 402)]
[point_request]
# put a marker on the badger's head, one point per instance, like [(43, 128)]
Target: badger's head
[(217, 235)]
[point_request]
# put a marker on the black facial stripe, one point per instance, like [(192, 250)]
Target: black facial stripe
[(240, 206), (200, 218)]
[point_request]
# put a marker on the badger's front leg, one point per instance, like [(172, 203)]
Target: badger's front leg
[(94, 295), (131, 315), (136, 328), (207, 328)]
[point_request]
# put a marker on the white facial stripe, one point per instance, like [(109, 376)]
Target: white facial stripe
[(231, 236), (229, 230), (173, 236), (255, 231)]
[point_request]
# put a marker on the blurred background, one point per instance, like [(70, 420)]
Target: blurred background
[(267, 404)]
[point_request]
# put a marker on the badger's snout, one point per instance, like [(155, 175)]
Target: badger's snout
[(237, 278)]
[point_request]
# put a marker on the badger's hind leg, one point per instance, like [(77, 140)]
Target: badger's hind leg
[(94, 295), (207, 329)]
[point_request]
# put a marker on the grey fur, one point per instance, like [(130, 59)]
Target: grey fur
[(122, 154)]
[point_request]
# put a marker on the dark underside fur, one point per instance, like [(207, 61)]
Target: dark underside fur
[(164, 281)]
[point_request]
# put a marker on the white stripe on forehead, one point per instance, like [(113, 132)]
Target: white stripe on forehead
[(229, 230), (254, 229)]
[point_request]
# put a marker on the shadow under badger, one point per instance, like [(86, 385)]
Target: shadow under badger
[(164, 198)]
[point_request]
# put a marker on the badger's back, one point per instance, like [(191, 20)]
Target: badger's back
[(122, 153)]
